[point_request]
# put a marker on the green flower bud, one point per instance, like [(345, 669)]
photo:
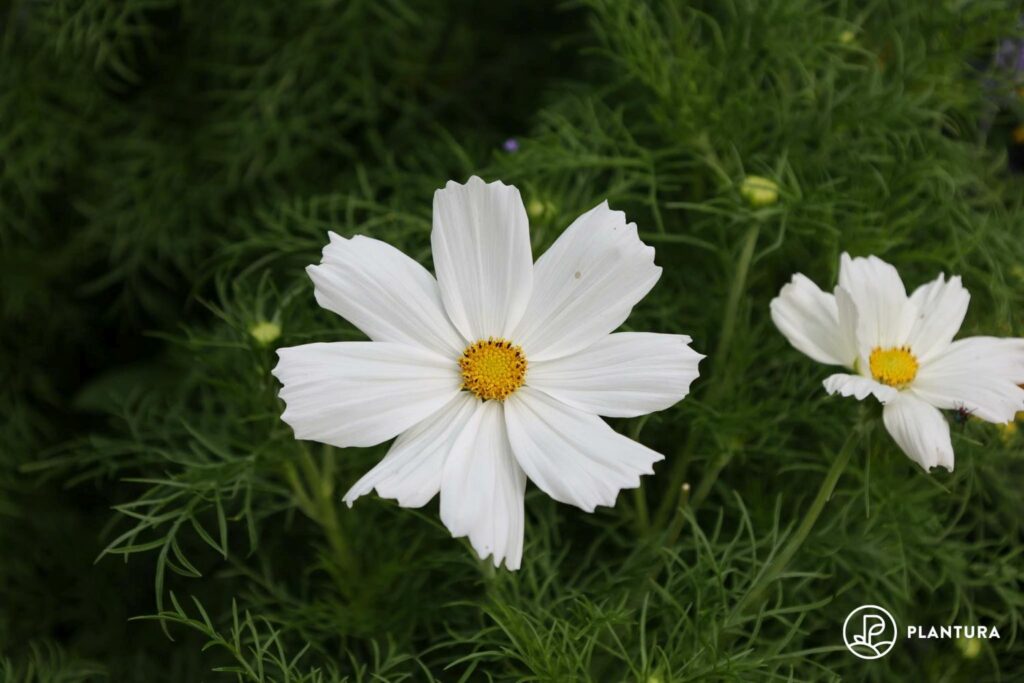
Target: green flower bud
[(265, 332), (759, 191)]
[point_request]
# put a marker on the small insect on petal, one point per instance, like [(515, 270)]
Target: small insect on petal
[(961, 415)]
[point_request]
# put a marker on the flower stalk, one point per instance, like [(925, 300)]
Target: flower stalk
[(717, 381), (779, 563), (314, 493)]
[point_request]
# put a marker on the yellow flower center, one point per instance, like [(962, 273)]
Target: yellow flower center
[(895, 366), (492, 369)]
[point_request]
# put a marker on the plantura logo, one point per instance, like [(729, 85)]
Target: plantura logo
[(956, 631), (869, 632)]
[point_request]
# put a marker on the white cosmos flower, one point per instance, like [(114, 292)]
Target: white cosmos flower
[(494, 372), (900, 349)]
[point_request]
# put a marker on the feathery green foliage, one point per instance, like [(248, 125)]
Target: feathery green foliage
[(169, 167)]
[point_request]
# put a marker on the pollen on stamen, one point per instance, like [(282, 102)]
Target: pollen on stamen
[(895, 366), (492, 369)]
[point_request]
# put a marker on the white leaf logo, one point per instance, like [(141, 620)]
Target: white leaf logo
[(876, 635)]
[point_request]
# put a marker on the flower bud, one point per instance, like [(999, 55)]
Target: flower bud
[(759, 191), (265, 332)]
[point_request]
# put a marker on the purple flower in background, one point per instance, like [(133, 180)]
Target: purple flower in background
[(511, 145), (1010, 56), (1008, 62)]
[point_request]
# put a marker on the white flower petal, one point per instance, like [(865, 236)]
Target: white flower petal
[(361, 393), (941, 307), (482, 488), (411, 471), (622, 375), (859, 387), (585, 285), (481, 244), (571, 455), (848, 319), (884, 313), (809, 319), (979, 374), (384, 293), (920, 430)]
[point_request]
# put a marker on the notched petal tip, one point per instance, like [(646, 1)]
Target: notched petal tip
[(617, 220), (611, 499), (282, 354), (920, 431), (858, 387), (484, 552), (511, 563), (932, 467), (799, 279), (475, 182)]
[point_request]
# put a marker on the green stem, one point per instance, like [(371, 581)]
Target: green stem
[(717, 379), (710, 478), (739, 285), (671, 536), (316, 499), (340, 549), (679, 519), (781, 561), (643, 518)]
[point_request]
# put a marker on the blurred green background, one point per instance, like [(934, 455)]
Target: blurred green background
[(167, 169)]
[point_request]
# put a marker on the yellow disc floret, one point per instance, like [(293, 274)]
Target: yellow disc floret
[(493, 368), (895, 366)]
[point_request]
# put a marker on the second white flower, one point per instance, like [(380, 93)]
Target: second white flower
[(900, 350)]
